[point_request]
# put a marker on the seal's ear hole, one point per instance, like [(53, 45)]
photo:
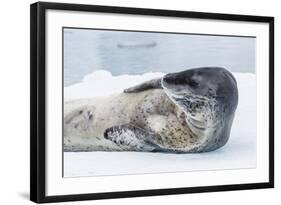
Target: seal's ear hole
[(80, 112)]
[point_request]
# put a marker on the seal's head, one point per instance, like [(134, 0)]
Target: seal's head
[(208, 96), (199, 85)]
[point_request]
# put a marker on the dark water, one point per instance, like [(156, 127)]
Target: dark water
[(139, 52)]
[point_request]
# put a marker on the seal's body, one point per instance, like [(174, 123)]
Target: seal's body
[(87, 120), (189, 111)]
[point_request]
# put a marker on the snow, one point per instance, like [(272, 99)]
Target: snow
[(238, 153), (102, 83)]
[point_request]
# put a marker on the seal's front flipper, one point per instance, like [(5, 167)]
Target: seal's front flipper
[(151, 84), (131, 138)]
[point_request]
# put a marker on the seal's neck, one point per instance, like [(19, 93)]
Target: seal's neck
[(201, 113)]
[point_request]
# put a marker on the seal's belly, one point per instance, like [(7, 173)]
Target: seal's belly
[(85, 121)]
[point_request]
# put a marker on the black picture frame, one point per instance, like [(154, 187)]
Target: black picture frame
[(38, 101)]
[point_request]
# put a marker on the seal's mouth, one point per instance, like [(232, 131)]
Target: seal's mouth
[(198, 110)]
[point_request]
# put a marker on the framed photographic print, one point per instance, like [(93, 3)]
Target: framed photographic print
[(129, 102)]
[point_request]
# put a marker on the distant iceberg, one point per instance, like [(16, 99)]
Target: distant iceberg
[(149, 44)]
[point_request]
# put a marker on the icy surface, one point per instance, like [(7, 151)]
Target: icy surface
[(238, 153)]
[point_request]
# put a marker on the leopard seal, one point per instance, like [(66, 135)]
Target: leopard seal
[(185, 112)]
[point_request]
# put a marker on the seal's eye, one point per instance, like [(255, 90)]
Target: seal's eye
[(193, 83), (174, 80)]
